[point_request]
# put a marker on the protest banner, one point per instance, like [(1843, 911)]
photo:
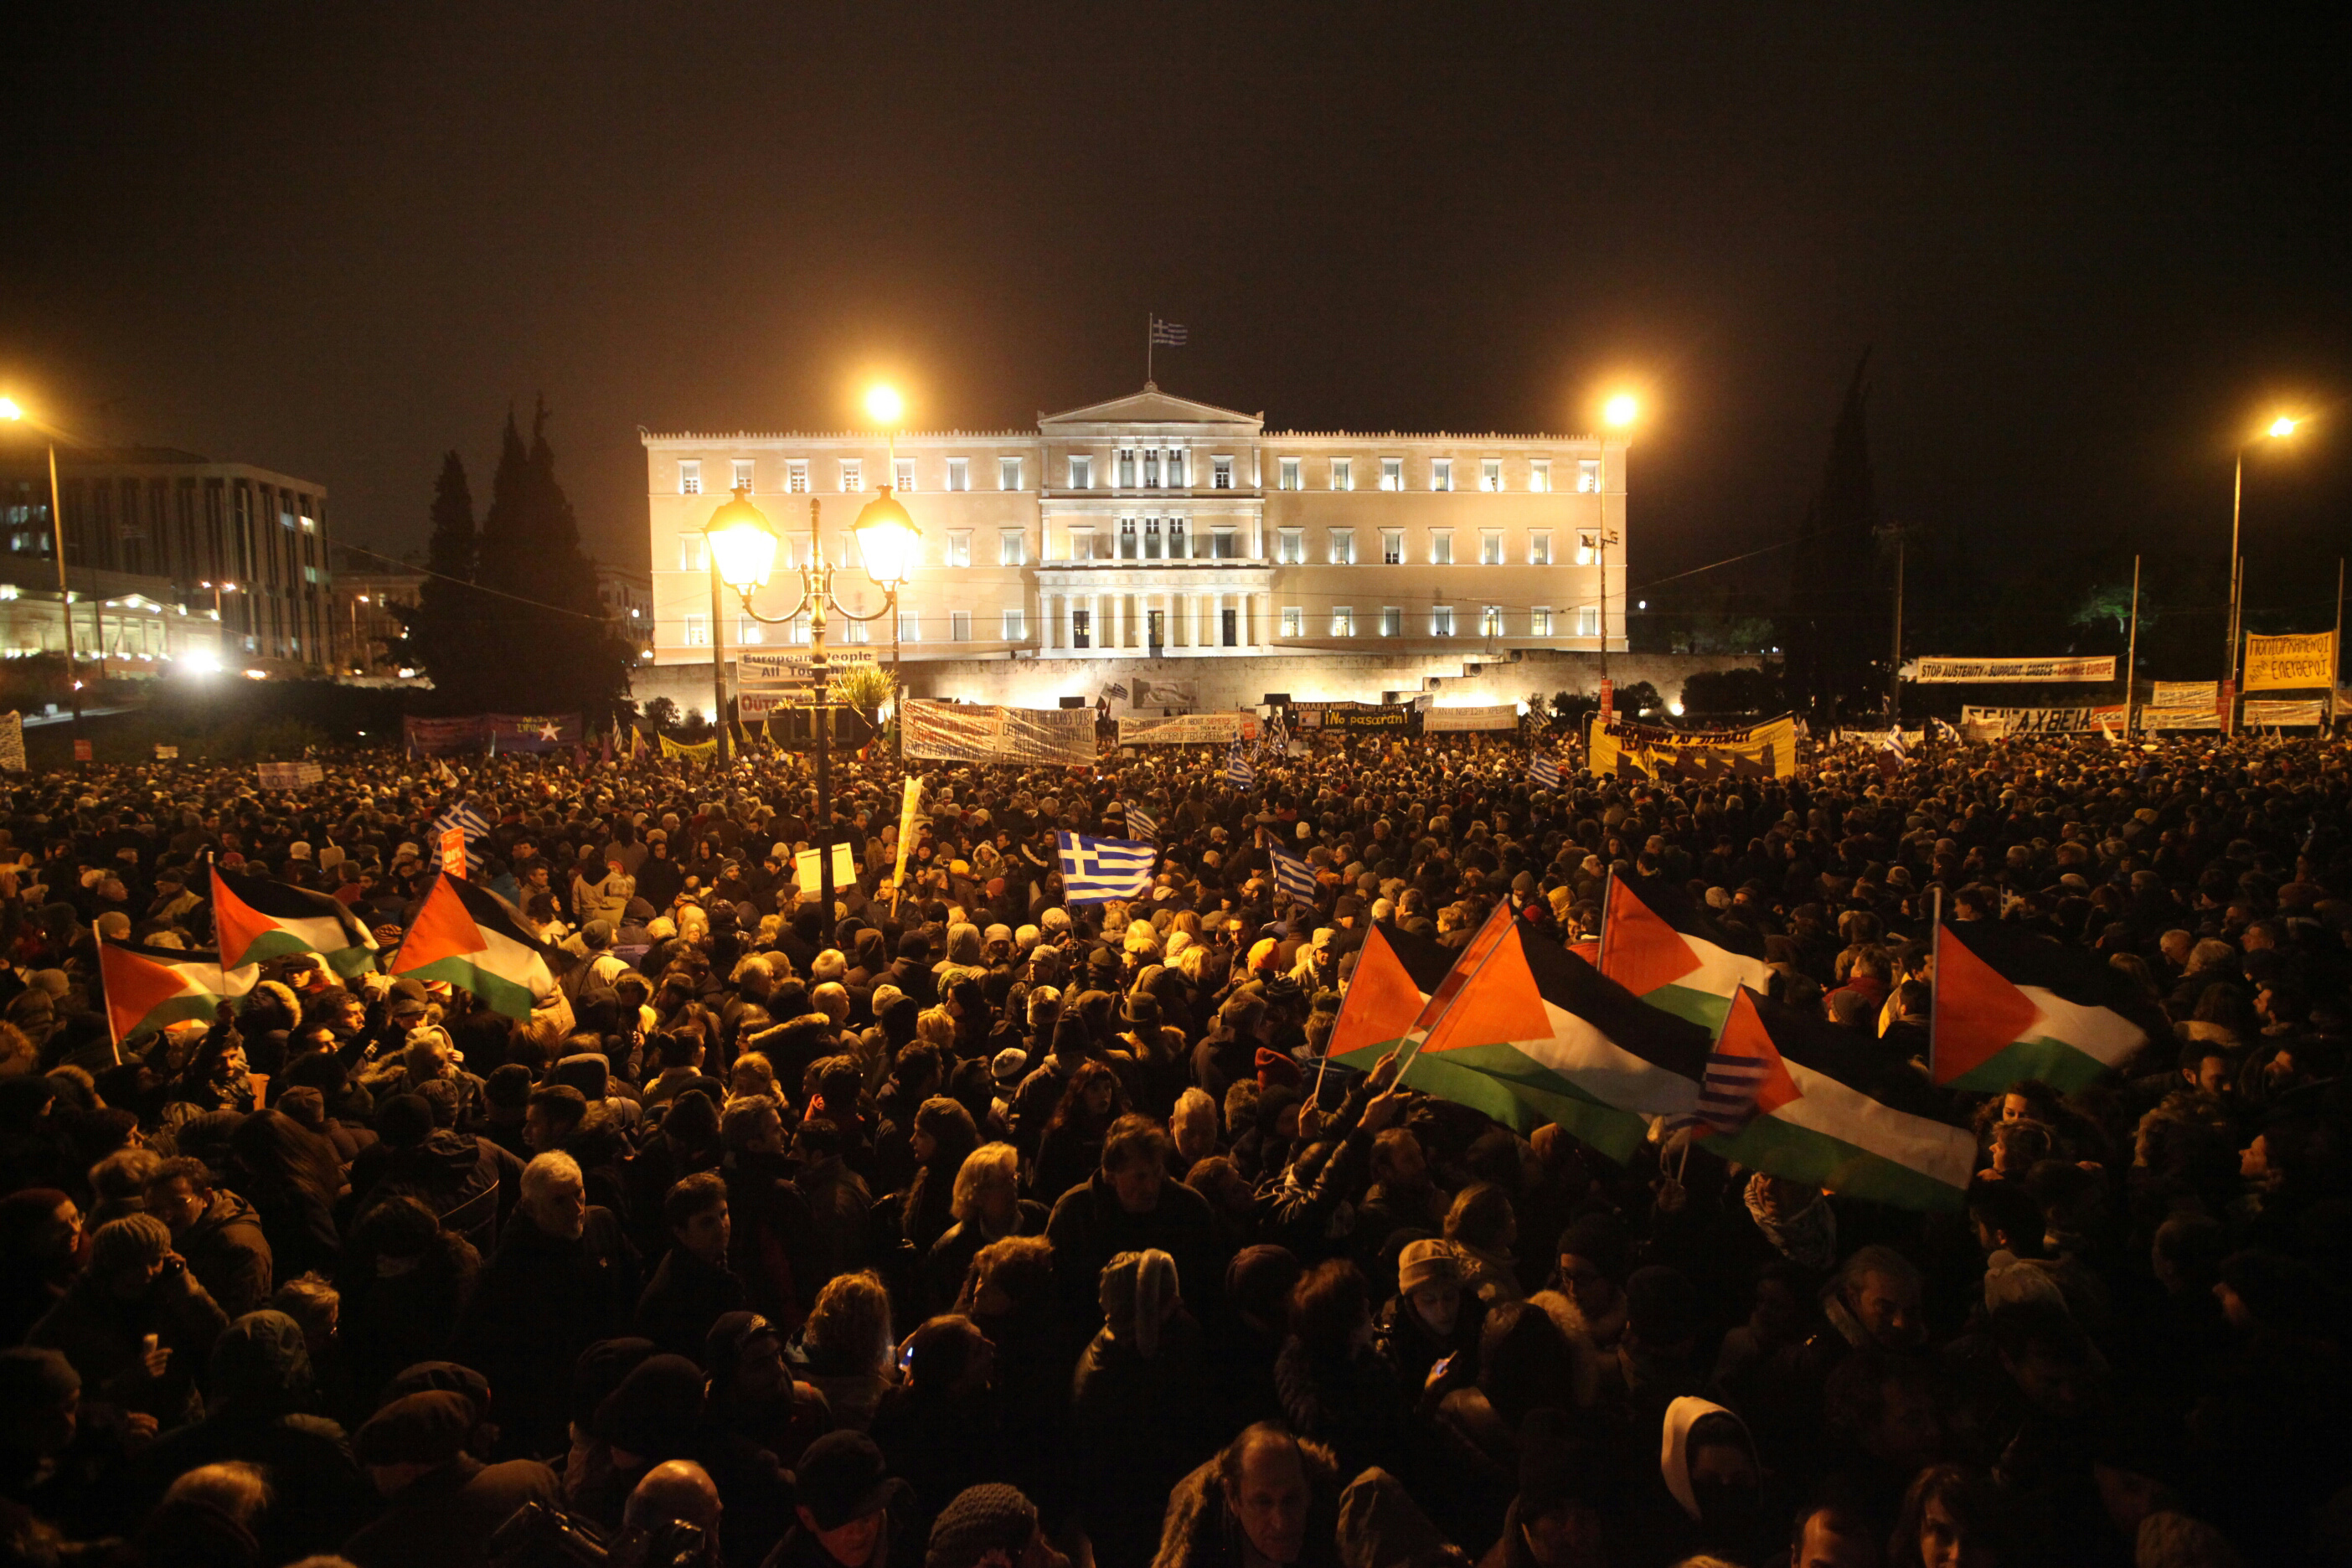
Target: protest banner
[(978, 732), (2285, 713), (1931, 670), (1999, 721), (12, 743), (1449, 720), (290, 776), (1366, 717), (1156, 692), (2290, 663), (1188, 729), (1641, 750)]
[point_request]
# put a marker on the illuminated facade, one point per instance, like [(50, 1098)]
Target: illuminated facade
[(1152, 526)]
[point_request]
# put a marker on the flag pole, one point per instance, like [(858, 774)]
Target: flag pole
[(1149, 323), (1936, 959), (2131, 648), (2335, 652)]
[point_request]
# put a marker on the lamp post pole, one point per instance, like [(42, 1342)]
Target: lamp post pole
[(65, 598), (717, 656), (820, 589), (2237, 590)]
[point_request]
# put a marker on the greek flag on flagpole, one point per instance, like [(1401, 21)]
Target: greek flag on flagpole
[(459, 815), (1293, 878), (1543, 770), (1239, 772), (1097, 870), (1166, 334), (1894, 743), (1142, 824)]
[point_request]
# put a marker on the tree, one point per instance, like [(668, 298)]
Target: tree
[(1639, 698), (1835, 632), (438, 631), (1731, 693)]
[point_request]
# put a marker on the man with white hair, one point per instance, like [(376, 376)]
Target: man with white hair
[(563, 1277)]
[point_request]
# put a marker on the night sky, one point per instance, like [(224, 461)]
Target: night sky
[(2088, 246)]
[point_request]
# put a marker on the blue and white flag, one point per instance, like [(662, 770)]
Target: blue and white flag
[(1543, 770), (459, 815), (1095, 870), (1142, 824), (1293, 878), (1239, 770), (1166, 334)]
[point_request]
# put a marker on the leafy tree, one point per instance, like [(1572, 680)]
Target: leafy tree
[(662, 713), (1570, 706), (439, 631), (1640, 698)]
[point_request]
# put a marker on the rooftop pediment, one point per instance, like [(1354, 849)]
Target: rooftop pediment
[(1149, 407)]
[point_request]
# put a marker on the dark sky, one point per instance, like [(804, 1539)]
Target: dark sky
[(2089, 244)]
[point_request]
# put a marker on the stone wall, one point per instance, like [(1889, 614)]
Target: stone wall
[(1459, 680)]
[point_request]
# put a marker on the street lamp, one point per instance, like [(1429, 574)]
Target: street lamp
[(885, 407), (2278, 429), (1619, 414), (11, 410), (741, 546)]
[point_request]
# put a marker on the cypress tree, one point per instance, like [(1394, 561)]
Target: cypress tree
[(443, 630), (1837, 621)]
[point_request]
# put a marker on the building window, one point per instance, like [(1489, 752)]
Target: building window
[(1588, 620), (1290, 546), (689, 552), (1222, 545), (1440, 473), (1588, 546), (1391, 621), (1343, 547), (1082, 473), (1290, 470), (852, 631), (1391, 473), (853, 475), (905, 481), (747, 632), (1013, 547), (959, 474), (1151, 468), (1343, 621), (1490, 621), (1393, 547), (1129, 547), (1008, 473), (911, 626), (744, 473), (1588, 477), (959, 625), (1539, 547), (1490, 473), (1539, 621), (1294, 621), (960, 547), (1441, 620), (1539, 476), (1125, 471), (1490, 547), (1016, 625), (1220, 473), (1441, 547), (1081, 544), (697, 630), (796, 476), (1343, 473), (1176, 539), (1177, 475), (797, 629), (689, 477)]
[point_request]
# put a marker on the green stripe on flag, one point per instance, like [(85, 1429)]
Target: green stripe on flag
[(1817, 1159), (494, 991), (1700, 1007), (2055, 1062)]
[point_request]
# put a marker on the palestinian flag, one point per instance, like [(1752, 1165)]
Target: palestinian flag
[(1656, 942), (474, 940), (258, 918), (149, 987), (2012, 1005), (1396, 973), (1793, 1095), (1535, 1034)]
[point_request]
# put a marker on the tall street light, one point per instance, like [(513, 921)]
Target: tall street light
[(2278, 429), (886, 408), (1619, 414), (10, 409), (742, 545)]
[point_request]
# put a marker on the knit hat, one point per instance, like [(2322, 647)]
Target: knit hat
[(985, 1527), (1426, 1262), (134, 1241), (415, 1429), (1008, 1065), (1137, 1290)]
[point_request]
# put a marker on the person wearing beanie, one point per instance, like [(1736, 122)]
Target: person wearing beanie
[(1431, 1318), (444, 1502), (136, 1325), (989, 1526)]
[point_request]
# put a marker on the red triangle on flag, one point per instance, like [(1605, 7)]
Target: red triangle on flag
[(1746, 1034), (444, 929), (1978, 1012), (1498, 1004), (236, 925), (1640, 951), (1382, 1000)]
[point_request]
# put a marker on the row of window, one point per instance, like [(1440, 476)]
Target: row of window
[(749, 633), (1146, 469), (1167, 539), (1492, 621), (1014, 625)]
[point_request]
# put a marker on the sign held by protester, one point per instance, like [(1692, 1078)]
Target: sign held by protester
[(978, 732), (2290, 663), (2042, 721), (290, 776), (2098, 666), (12, 743), (453, 851), (1641, 750)]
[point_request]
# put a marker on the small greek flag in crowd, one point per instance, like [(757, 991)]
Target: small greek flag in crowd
[(1894, 745), (459, 815), (1239, 772), (1166, 334), (1116, 689), (1543, 770), (1142, 824), (1727, 1094), (1293, 878), (1095, 870), (1939, 731), (1274, 736)]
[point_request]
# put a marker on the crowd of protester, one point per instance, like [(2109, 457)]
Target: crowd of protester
[(970, 1227)]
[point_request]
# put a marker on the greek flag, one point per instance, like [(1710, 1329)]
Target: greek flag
[(1543, 770), (1166, 334), (1894, 745), (1142, 824), (1239, 772), (463, 816), (1293, 878), (1095, 870)]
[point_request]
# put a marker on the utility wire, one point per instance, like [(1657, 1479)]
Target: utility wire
[(477, 587)]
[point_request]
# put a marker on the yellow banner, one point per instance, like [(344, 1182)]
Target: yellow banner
[(700, 752), (2291, 664), (1630, 750)]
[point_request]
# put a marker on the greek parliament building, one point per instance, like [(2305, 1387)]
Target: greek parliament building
[(1155, 527)]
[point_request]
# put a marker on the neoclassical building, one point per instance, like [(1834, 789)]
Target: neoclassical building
[(1153, 526)]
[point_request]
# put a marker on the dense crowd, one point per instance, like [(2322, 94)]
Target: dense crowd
[(968, 1227)]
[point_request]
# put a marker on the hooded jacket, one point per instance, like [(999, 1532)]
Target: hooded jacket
[(229, 1254)]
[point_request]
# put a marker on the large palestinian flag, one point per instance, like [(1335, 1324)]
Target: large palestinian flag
[(1794, 1095), (150, 987), (468, 936), (258, 917), (2011, 1004), (1396, 973), (1656, 942)]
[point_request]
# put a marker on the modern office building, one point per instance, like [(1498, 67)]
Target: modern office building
[(1153, 526)]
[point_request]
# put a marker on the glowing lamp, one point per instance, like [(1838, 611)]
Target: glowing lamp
[(883, 404), (888, 541), (742, 543), (2283, 425), (1621, 410)]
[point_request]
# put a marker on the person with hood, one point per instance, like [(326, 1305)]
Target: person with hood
[(259, 1410), (137, 1324), (444, 1502), (1148, 1356), (1713, 1489), (470, 1183), (216, 1231)]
